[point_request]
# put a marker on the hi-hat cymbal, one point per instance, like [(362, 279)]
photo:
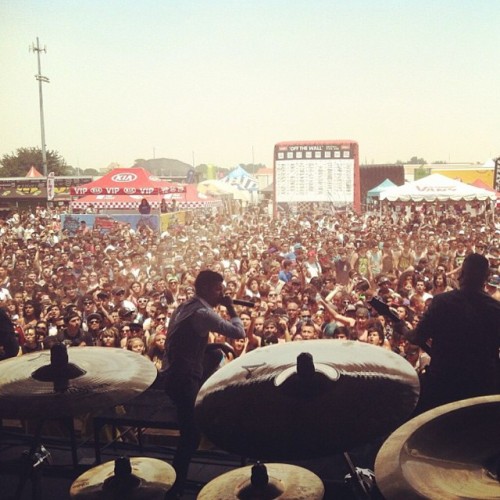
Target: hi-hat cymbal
[(286, 482), (96, 377), (137, 478), (306, 399), (452, 451)]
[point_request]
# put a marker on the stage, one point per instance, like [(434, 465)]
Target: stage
[(58, 473)]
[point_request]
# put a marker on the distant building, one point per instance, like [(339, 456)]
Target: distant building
[(166, 168), (264, 177)]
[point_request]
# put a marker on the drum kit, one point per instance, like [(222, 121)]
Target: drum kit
[(135, 478), (62, 383), (285, 402)]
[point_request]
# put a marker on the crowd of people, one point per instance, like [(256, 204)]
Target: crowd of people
[(372, 277), (310, 275)]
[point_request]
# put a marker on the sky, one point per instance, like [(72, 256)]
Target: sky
[(222, 81)]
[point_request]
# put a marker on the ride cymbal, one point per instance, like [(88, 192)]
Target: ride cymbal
[(137, 478), (36, 386), (306, 399), (286, 482), (452, 451)]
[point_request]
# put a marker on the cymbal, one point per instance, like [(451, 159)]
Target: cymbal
[(137, 478), (452, 451), (306, 399), (94, 378), (287, 482)]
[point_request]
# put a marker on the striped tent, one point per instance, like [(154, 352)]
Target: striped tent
[(33, 172)]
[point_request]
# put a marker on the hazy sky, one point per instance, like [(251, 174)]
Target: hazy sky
[(225, 80)]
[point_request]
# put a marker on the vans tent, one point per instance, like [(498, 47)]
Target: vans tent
[(436, 187)]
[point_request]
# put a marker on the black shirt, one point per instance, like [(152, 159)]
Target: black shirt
[(464, 326)]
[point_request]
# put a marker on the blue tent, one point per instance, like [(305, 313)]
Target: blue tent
[(240, 178), (374, 193)]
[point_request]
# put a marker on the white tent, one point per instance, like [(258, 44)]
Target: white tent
[(436, 187), (214, 187)]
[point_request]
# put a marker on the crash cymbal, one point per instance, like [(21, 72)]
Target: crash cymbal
[(137, 478), (43, 384), (286, 482), (452, 451), (306, 399)]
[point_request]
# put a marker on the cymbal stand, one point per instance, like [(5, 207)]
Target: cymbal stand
[(360, 480), (31, 466)]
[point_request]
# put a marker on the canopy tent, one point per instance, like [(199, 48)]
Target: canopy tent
[(188, 200), (240, 178), (215, 187), (481, 184), (375, 192), (127, 181), (191, 198), (436, 187), (33, 172)]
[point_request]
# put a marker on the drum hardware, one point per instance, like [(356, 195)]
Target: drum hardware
[(31, 468), (63, 383), (266, 482), (359, 480), (125, 478), (452, 451), (330, 395)]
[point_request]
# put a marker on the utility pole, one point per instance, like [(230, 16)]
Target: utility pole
[(41, 79)]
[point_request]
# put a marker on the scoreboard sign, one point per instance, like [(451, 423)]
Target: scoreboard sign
[(317, 172)]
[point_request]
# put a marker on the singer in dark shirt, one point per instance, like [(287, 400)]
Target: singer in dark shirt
[(182, 368)]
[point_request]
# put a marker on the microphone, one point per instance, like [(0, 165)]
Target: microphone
[(245, 303)]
